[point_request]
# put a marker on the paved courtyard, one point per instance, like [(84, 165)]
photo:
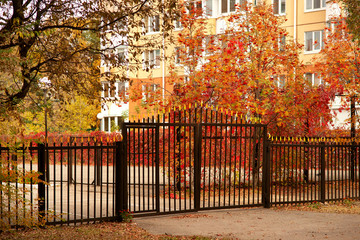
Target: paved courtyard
[(256, 223)]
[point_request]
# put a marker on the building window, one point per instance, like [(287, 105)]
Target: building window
[(112, 123), (195, 6), (229, 6), (114, 90), (279, 80), (282, 43), (315, 4), (208, 43), (177, 55), (314, 41), (108, 90), (152, 59), (152, 24), (209, 8), (313, 79), (279, 7), (177, 25), (149, 91), (121, 54), (122, 91)]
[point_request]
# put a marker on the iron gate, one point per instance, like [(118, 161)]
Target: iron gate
[(193, 160)]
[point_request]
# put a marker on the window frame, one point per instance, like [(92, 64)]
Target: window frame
[(312, 9), (314, 76), (228, 6), (148, 89), (321, 42), (150, 27), (279, 80), (148, 62), (279, 7)]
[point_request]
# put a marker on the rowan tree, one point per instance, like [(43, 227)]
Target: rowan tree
[(252, 68), (339, 64)]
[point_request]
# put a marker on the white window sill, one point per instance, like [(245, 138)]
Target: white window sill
[(311, 52), (315, 10)]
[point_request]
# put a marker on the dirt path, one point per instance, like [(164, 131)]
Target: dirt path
[(256, 223)]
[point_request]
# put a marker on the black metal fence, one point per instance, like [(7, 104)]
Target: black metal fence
[(178, 161), (308, 170), (78, 183)]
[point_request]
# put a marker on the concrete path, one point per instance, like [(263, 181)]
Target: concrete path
[(256, 223)]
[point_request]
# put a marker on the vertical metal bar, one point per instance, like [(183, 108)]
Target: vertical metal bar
[(1, 192), (95, 176), (61, 180), (41, 185), (69, 156), (296, 185), (245, 160), (150, 158), (113, 149), (23, 187), (211, 164), (88, 182), (47, 177), (322, 171), (250, 161), (14, 162), (157, 166), (266, 171), (75, 173), (197, 166), (138, 167), (169, 157), (145, 156), (235, 157)]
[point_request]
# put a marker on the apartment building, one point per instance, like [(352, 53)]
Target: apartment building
[(306, 20)]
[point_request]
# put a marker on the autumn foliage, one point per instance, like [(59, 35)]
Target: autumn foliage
[(252, 67)]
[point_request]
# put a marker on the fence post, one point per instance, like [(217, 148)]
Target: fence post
[(266, 171), (322, 172), (120, 180), (41, 185), (352, 161), (98, 156), (197, 166)]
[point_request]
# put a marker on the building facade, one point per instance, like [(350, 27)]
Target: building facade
[(306, 21)]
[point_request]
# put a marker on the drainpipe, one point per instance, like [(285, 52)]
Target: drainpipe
[(163, 69), (295, 20)]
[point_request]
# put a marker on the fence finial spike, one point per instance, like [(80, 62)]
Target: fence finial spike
[(189, 105), (201, 103)]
